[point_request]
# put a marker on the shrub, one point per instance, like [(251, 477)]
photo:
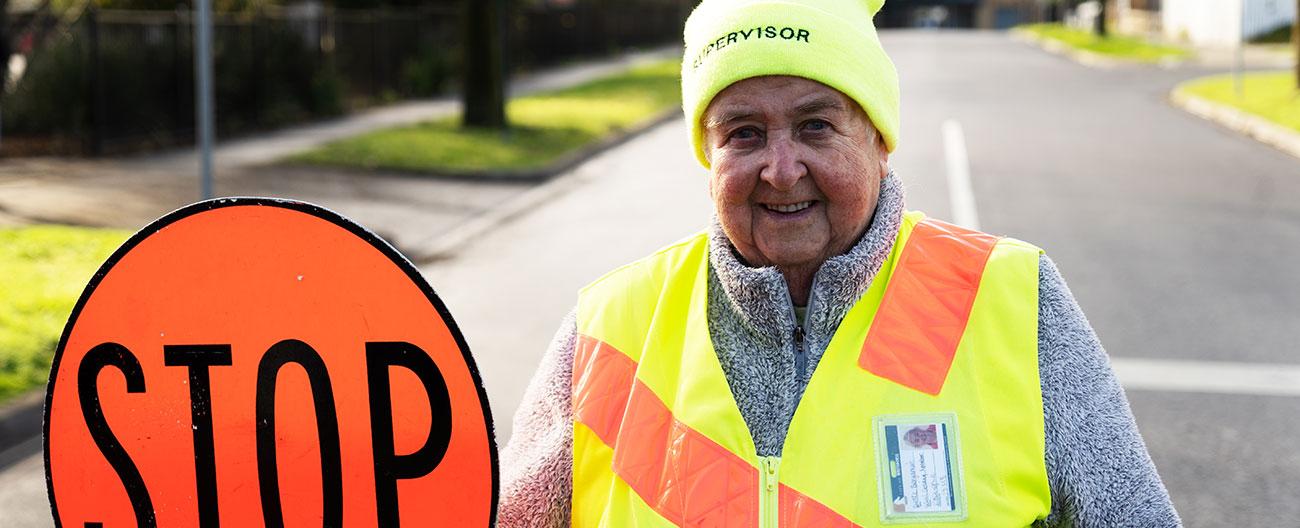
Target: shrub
[(426, 74), (1277, 35)]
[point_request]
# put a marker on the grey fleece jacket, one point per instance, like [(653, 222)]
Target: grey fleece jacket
[(1098, 468)]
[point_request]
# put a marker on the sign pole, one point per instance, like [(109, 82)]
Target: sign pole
[(203, 91), (1239, 61)]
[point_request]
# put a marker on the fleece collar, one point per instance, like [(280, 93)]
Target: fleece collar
[(759, 298)]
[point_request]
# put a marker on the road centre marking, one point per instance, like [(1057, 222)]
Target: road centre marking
[(959, 186), (1216, 377)]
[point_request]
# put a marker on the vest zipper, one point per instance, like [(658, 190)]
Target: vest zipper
[(801, 330), (768, 492), (800, 354)]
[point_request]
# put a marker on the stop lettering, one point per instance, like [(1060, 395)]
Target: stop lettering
[(255, 362)]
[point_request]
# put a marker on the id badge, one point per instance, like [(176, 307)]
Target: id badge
[(919, 469)]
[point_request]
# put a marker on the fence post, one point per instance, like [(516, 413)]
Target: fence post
[(4, 53), (203, 93), (259, 51), (327, 48), (373, 18), (95, 84), (505, 25), (386, 77), (177, 109)]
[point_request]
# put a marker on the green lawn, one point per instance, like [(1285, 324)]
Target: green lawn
[(45, 268), (545, 127), (1270, 95), (1118, 46)]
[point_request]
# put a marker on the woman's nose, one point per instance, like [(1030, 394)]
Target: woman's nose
[(782, 168)]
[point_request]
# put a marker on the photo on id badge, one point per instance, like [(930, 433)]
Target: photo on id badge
[(920, 474)]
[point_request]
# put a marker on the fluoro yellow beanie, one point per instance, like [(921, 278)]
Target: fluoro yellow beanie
[(833, 42)]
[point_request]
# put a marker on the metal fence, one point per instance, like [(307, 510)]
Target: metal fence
[(116, 81), (541, 37)]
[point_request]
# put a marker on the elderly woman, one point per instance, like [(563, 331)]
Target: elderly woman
[(820, 357)]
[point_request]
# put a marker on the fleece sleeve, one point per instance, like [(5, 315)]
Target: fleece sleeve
[(1098, 468), (537, 464)]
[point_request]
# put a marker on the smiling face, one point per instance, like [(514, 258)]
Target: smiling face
[(795, 170)]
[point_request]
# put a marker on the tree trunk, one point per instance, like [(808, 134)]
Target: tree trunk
[(484, 71), (1100, 23), (1295, 41)]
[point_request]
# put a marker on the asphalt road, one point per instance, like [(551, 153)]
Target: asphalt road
[(1178, 238)]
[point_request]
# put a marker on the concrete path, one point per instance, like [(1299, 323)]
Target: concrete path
[(266, 148), (409, 211)]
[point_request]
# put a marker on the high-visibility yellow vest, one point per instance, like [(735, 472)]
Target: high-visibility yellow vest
[(948, 328)]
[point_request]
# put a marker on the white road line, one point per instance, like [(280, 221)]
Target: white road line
[(959, 187), (1261, 379)]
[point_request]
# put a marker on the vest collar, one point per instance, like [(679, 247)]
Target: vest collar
[(759, 296)]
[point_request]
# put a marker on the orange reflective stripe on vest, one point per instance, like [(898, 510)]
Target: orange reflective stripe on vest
[(681, 474), (926, 305)]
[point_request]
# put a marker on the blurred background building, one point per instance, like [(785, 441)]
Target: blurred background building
[(1224, 22)]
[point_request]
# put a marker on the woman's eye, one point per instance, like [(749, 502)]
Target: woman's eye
[(816, 125), (745, 133)]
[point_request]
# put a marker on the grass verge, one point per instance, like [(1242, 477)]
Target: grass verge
[(1117, 46), (1270, 95), (45, 270), (544, 128)]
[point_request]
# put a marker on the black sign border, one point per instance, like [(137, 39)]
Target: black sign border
[(317, 211)]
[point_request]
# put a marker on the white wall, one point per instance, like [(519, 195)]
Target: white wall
[(1219, 22)]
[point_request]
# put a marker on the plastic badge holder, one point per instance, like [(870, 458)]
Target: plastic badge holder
[(919, 468)]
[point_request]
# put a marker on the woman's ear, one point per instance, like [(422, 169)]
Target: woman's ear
[(882, 153)]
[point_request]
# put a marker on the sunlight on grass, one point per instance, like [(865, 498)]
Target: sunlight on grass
[(1270, 95), (45, 270), (544, 127), (1119, 46)]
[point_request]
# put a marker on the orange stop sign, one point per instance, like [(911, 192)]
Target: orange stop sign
[(256, 362)]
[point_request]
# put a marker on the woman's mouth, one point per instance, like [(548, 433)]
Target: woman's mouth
[(790, 207)]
